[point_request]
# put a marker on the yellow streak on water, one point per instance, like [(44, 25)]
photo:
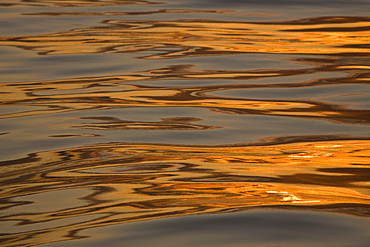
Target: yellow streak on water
[(116, 183), (105, 184), (74, 3), (200, 37)]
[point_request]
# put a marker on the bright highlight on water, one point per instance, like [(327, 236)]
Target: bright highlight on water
[(184, 123)]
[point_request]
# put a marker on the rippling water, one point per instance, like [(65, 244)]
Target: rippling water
[(184, 123)]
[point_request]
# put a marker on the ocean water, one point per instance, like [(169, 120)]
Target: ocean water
[(184, 123)]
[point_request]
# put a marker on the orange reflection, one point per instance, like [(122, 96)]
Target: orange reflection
[(116, 183), (200, 37), (74, 3), (47, 97)]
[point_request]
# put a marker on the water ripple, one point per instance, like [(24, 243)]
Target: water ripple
[(200, 37), (115, 183), (119, 111)]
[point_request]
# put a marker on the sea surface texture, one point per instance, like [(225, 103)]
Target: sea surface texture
[(182, 123)]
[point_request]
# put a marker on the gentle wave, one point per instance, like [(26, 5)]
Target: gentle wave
[(115, 183), (74, 3), (137, 110), (126, 91), (184, 38)]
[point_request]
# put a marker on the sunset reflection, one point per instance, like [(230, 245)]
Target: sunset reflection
[(117, 183), (124, 91), (165, 39), (123, 113), (73, 3)]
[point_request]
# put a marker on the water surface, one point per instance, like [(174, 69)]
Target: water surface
[(122, 116)]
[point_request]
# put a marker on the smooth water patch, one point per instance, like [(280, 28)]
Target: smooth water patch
[(250, 228), (329, 93)]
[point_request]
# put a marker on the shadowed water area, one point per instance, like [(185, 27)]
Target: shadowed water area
[(184, 123)]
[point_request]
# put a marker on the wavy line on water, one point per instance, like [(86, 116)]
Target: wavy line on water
[(159, 11), (175, 123), (184, 38), (46, 97), (120, 182), (72, 3), (189, 97)]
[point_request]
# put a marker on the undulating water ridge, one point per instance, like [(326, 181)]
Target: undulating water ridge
[(126, 115)]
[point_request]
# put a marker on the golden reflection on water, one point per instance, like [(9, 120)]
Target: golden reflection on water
[(115, 183), (72, 3), (50, 196), (126, 91), (180, 38)]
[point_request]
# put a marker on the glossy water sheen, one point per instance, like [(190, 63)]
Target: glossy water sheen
[(142, 123)]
